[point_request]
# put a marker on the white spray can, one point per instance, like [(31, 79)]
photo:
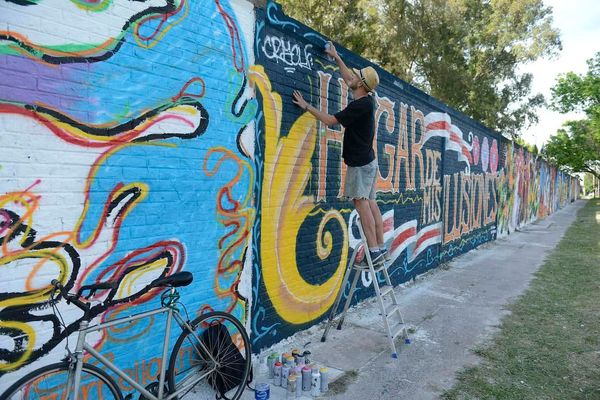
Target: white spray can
[(315, 386)]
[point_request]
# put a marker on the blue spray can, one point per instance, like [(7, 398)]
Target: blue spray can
[(262, 391)]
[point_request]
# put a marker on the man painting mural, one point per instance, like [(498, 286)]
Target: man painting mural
[(359, 123)]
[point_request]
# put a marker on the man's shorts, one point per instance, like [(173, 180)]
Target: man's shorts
[(360, 181)]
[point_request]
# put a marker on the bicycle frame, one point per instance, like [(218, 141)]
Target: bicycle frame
[(82, 345)]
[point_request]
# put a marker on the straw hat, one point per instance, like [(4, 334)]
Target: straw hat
[(368, 76)]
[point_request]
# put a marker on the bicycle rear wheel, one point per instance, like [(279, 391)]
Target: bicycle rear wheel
[(214, 358), (50, 382)]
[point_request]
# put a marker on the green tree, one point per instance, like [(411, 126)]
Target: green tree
[(532, 148), (463, 52), (576, 147)]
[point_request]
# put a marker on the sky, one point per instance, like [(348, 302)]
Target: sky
[(579, 25)]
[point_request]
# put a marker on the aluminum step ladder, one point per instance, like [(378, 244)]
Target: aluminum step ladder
[(389, 307)]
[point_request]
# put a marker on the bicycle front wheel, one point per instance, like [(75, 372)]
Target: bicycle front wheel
[(50, 382), (214, 357)]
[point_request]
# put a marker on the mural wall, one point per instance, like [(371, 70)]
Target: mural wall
[(125, 156), (530, 189), (446, 183), (139, 139)]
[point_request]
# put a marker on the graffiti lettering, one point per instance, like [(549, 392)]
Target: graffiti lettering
[(469, 203), (280, 49), (400, 162), (329, 136), (432, 210), (385, 107)]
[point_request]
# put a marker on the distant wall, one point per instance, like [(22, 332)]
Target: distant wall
[(138, 139)]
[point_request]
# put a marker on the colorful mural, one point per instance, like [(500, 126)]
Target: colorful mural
[(530, 189), (145, 138), (442, 184), (126, 156)]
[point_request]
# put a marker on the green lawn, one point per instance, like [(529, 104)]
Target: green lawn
[(549, 346)]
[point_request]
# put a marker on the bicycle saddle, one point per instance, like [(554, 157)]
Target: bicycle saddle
[(178, 279)]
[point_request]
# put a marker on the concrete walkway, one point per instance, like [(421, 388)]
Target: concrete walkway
[(452, 310)]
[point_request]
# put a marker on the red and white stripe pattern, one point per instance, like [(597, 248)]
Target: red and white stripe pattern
[(439, 125), (403, 236), (388, 232), (406, 236), (426, 237)]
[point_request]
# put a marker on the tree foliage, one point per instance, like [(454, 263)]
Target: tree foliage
[(463, 52), (576, 147)]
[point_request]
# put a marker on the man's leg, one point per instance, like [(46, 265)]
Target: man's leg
[(366, 219), (378, 222)]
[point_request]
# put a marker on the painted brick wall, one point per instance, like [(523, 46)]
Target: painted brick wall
[(126, 142), (446, 183), (138, 139)]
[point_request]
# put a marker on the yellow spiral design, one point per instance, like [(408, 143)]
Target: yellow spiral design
[(287, 168)]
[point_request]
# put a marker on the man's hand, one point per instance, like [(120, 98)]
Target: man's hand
[(330, 50), (299, 100)]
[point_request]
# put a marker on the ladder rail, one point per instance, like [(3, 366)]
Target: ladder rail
[(386, 313), (348, 300), (339, 296), (375, 281)]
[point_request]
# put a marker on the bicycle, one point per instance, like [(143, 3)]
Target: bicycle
[(211, 355)]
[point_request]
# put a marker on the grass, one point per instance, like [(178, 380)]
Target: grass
[(340, 385), (549, 346)]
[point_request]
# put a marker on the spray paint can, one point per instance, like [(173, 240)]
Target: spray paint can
[(290, 362), (327, 45), (284, 358), (315, 382), (299, 383), (306, 357), (270, 364), (324, 379), (277, 374), (262, 391), (306, 379), (300, 360), (285, 374), (291, 387), (275, 358)]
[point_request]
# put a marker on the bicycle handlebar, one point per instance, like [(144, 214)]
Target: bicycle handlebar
[(181, 278), (71, 298)]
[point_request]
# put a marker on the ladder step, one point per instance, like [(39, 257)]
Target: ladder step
[(366, 268), (385, 289), (397, 330), (391, 308)]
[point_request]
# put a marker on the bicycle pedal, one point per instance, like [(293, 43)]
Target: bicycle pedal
[(153, 389)]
